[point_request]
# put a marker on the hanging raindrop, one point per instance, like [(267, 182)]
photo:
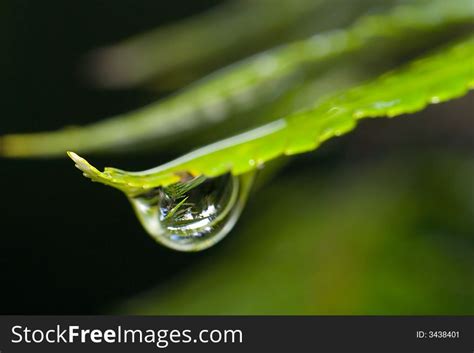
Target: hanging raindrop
[(195, 214)]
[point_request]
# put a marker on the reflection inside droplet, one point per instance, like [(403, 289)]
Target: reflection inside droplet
[(195, 214)]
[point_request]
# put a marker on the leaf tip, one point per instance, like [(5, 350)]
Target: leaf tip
[(76, 158), (82, 164)]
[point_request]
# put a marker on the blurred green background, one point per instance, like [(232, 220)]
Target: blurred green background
[(377, 222)]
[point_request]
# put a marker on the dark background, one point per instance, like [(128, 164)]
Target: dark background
[(68, 246)]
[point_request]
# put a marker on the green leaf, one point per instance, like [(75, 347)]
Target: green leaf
[(436, 78), (247, 85)]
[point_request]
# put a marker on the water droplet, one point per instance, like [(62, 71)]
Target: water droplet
[(194, 214)]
